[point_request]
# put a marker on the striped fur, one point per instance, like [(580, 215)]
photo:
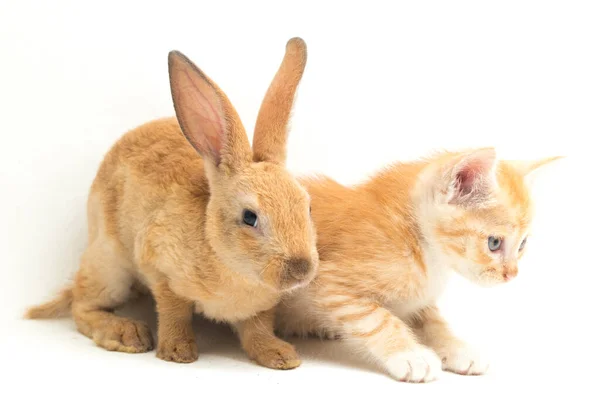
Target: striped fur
[(388, 246)]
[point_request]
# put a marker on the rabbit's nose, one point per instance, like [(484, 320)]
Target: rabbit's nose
[(298, 267)]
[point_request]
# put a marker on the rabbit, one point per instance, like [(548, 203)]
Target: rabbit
[(184, 207)]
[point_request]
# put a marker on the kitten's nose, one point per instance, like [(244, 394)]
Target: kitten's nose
[(298, 267), (510, 272)]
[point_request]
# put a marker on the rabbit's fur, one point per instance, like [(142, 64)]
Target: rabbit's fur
[(166, 210)]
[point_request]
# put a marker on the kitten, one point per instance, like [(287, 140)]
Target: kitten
[(388, 246)]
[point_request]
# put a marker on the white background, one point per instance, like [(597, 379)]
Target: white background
[(385, 81)]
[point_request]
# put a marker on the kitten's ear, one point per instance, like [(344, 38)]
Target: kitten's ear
[(469, 179), (529, 169)]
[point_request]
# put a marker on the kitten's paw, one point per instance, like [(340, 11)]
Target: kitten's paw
[(418, 364), (464, 360)]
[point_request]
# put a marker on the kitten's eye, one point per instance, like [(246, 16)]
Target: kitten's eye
[(522, 246), (250, 218), (310, 209), (494, 243)]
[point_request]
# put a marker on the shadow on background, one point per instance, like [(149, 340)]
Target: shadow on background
[(220, 340)]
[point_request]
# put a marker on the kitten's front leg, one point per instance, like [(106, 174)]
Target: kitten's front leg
[(457, 356), (385, 336)]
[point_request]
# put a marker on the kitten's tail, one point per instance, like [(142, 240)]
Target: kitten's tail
[(58, 307)]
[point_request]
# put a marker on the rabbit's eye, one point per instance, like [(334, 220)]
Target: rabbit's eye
[(250, 218)]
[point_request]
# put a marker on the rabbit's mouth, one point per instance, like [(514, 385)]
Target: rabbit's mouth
[(297, 273), (295, 286), (289, 273)]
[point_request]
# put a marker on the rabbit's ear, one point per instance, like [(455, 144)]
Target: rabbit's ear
[(271, 129), (207, 118)]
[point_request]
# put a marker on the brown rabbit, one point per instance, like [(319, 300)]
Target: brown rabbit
[(184, 207)]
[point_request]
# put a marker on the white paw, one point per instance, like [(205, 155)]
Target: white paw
[(465, 360), (419, 364)]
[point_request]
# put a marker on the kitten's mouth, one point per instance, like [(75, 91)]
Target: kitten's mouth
[(490, 279), (494, 276), (487, 278)]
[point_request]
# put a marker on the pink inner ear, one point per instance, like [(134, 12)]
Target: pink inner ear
[(465, 180), (471, 179), (206, 117), (198, 107)]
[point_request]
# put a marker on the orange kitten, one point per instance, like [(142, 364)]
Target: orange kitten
[(388, 246)]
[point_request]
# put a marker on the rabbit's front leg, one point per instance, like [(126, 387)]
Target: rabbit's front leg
[(258, 340), (176, 339)]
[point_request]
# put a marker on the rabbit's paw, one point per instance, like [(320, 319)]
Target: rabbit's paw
[(180, 350), (275, 354), (125, 335)]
